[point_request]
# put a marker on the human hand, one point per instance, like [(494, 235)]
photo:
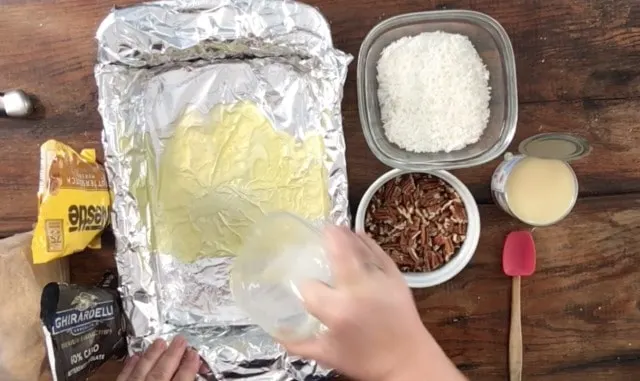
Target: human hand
[(374, 330), (162, 363)]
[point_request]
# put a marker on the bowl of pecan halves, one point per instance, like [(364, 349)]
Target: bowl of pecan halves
[(427, 222)]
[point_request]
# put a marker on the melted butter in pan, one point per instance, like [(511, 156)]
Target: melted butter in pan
[(221, 171)]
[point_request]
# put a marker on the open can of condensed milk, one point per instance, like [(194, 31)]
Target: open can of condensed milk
[(538, 186)]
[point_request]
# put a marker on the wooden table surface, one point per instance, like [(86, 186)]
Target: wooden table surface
[(578, 71)]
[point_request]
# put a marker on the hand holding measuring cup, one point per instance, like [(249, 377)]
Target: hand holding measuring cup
[(346, 283), (374, 330)]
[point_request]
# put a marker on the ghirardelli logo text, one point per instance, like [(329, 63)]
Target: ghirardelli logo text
[(86, 313)]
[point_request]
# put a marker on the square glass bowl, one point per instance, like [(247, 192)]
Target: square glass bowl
[(494, 47)]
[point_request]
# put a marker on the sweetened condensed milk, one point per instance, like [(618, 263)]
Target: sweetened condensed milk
[(537, 191)]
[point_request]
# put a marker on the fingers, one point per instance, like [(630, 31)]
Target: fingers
[(148, 360), (378, 255), (129, 365), (167, 364), (351, 255), (189, 367), (319, 349), (318, 299), (309, 349), (160, 363), (204, 369), (347, 254), (317, 296), (343, 260)]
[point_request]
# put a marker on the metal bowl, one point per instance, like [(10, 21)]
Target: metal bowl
[(466, 251), (492, 43)]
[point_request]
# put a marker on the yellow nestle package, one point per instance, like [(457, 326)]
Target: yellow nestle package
[(73, 202)]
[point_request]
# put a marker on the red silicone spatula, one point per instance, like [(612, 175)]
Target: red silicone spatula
[(518, 260)]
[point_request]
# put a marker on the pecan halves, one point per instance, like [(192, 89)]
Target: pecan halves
[(419, 220)]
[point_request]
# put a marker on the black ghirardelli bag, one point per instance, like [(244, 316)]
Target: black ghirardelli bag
[(83, 327)]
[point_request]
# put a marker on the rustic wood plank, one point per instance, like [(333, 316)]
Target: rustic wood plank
[(565, 49), (581, 309), (612, 127), (89, 267), (577, 39)]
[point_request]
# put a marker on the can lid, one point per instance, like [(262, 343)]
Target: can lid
[(555, 146)]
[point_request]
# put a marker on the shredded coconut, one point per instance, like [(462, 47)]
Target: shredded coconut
[(434, 92)]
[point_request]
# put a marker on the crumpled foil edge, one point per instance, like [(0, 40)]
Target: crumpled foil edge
[(132, 43)]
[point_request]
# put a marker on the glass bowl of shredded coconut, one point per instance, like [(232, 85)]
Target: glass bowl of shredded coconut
[(437, 90)]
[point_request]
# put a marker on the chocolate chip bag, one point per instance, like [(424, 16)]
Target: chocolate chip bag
[(73, 202), (83, 327)]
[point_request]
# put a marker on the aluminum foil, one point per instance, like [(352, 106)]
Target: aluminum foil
[(154, 61)]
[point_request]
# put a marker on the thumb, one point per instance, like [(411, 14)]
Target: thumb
[(311, 349), (318, 297)]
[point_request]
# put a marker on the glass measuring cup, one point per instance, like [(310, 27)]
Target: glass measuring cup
[(280, 252)]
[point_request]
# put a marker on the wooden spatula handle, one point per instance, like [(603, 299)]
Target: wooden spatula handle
[(515, 335)]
